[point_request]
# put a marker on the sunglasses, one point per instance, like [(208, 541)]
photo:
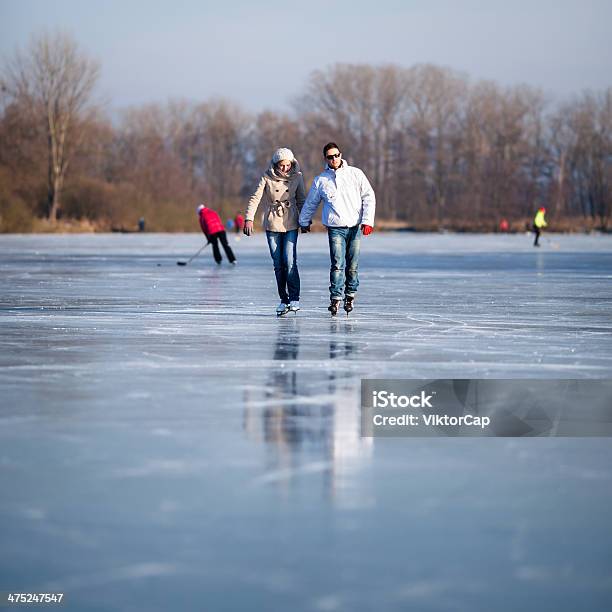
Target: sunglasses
[(334, 156)]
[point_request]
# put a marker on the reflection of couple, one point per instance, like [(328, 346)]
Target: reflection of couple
[(348, 212), (309, 420)]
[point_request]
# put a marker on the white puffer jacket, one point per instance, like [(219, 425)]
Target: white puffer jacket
[(348, 198)]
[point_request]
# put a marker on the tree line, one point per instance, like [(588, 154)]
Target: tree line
[(440, 150)]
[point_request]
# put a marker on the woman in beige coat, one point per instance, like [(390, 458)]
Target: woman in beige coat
[(281, 192)]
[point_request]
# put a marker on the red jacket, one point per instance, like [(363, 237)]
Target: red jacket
[(210, 222)]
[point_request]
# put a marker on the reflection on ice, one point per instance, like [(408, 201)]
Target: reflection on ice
[(167, 443), (299, 413)]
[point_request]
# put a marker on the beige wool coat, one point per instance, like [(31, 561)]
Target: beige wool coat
[(281, 199)]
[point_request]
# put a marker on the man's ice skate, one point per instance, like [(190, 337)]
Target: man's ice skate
[(333, 307), (282, 309), (348, 303), (294, 306)]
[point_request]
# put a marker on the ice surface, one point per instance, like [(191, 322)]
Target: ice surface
[(167, 443)]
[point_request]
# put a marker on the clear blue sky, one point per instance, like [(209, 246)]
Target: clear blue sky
[(259, 54)]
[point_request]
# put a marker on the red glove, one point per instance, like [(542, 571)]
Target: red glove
[(366, 229)]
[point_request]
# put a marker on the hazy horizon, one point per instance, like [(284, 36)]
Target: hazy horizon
[(260, 55)]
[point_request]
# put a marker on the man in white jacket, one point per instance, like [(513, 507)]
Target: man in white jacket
[(348, 211)]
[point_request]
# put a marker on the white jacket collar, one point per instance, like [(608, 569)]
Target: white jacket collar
[(343, 166)]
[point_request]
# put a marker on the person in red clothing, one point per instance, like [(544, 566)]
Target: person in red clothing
[(239, 223), (211, 225)]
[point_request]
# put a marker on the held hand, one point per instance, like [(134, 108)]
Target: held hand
[(366, 230), (304, 229), (247, 230)]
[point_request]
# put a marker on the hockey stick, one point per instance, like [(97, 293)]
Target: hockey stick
[(184, 263)]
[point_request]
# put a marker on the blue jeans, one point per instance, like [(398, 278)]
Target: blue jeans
[(283, 249), (344, 243)]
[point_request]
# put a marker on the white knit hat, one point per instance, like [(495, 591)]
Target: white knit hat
[(282, 153), (199, 208)]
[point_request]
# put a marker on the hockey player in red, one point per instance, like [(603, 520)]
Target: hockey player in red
[(211, 225)]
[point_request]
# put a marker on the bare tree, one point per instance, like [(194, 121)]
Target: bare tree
[(223, 134), (268, 132), (437, 148), (435, 97), (54, 81)]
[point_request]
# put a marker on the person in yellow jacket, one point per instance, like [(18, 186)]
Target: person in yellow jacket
[(539, 222)]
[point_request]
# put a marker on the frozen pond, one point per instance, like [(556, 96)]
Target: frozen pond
[(167, 443)]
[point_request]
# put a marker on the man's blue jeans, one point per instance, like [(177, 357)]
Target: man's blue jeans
[(283, 249), (344, 243)]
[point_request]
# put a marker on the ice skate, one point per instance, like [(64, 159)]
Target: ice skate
[(282, 309), (294, 306), (333, 307), (348, 303)]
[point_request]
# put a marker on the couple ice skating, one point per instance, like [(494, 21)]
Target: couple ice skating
[(348, 212)]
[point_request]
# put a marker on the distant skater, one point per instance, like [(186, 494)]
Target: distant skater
[(281, 191), (211, 225), (349, 204), (539, 222), (239, 223)]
